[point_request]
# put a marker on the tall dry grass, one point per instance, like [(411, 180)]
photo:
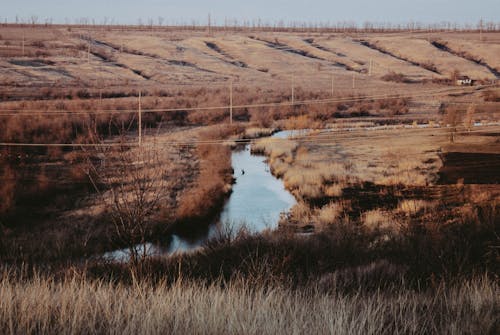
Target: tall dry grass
[(78, 306), (214, 179)]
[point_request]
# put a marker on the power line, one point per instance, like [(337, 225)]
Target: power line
[(324, 135), (427, 93)]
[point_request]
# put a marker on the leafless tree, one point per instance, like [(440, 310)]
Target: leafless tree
[(469, 117), (452, 119), (132, 182)]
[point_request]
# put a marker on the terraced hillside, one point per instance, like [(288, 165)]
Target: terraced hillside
[(115, 58)]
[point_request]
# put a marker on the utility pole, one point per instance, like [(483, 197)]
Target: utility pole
[(209, 25), (140, 119), (88, 53), (293, 89), (88, 47), (23, 43), (332, 86), (231, 101), (481, 30)]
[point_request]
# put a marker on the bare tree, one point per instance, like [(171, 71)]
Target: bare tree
[(132, 183), (469, 117), (452, 120)]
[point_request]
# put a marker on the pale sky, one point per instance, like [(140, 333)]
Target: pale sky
[(359, 11)]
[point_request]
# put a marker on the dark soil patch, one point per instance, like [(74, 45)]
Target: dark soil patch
[(187, 64), (323, 48), (472, 168), (216, 48), (31, 62)]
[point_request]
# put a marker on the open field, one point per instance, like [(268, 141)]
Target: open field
[(113, 137)]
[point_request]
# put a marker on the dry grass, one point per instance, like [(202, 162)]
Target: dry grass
[(378, 219), (304, 217), (413, 207), (206, 196), (77, 306)]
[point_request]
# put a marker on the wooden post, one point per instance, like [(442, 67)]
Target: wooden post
[(140, 119), (209, 25), (332, 85), (23, 43), (231, 101), (293, 89), (481, 30)]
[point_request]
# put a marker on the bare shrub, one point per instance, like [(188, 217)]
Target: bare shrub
[(132, 184), (396, 77)]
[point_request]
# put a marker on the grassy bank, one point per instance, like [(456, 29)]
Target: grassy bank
[(79, 306)]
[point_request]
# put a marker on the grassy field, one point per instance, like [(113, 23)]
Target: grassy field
[(74, 306)]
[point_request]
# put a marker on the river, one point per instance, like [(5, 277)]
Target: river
[(256, 202)]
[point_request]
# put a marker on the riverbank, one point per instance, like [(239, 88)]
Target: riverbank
[(382, 178)]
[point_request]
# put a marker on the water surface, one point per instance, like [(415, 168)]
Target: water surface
[(258, 197), (256, 202)]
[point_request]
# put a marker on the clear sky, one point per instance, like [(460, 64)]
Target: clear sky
[(359, 11)]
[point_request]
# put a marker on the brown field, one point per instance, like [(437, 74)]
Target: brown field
[(396, 226)]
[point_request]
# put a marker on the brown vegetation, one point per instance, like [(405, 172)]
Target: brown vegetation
[(78, 306), (203, 201)]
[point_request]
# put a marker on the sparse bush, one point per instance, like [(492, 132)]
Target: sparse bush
[(396, 77)]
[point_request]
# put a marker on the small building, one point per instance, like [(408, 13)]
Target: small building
[(464, 81)]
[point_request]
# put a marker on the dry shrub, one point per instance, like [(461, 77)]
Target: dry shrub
[(334, 190), (309, 191), (402, 168), (298, 122), (396, 77), (413, 206), (329, 214), (480, 197), (302, 215), (378, 219), (276, 149)]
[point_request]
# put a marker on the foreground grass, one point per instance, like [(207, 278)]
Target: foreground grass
[(77, 306)]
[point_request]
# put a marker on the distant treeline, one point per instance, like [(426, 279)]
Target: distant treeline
[(162, 24)]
